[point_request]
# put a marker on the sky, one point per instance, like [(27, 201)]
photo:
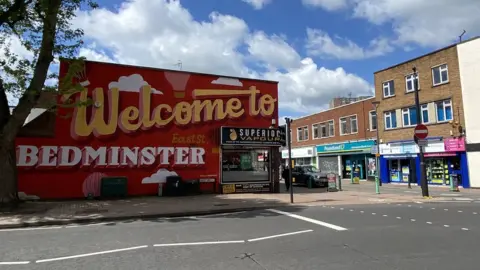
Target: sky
[(315, 49)]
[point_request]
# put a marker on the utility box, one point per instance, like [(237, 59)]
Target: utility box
[(114, 187)]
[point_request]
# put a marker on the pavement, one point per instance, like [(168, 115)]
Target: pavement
[(383, 236), (86, 211)]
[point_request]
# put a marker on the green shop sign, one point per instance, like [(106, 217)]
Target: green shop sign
[(346, 147)]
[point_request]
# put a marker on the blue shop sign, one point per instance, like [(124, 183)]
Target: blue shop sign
[(346, 147)]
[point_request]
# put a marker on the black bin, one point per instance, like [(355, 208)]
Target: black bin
[(173, 186)]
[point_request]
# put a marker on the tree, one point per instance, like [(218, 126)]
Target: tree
[(43, 27)]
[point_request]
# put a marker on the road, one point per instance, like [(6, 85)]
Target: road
[(362, 237)]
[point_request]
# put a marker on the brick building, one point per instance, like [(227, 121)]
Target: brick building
[(441, 110), (335, 139)]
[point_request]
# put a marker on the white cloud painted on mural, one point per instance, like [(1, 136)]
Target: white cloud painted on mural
[(227, 81), (132, 83), (159, 177)]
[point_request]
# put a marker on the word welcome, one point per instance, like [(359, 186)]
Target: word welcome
[(133, 118), (111, 157)]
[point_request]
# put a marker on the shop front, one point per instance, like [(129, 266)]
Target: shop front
[(245, 152), (347, 158), (146, 125), (443, 157), (301, 156)]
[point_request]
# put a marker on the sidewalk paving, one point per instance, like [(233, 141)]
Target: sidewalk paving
[(86, 211)]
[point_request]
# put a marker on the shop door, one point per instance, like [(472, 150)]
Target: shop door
[(328, 164)]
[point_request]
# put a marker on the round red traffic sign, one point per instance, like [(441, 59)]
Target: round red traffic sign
[(421, 131)]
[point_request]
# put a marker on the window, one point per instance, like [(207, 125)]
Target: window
[(409, 117), (348, 125), (390, 120), (388, 89), (353, 124), (373, 120), (440, 74), (315, 131), (323, 131), (444, 111), (331, 128), (424, 109), (410, 82), (302, 134)]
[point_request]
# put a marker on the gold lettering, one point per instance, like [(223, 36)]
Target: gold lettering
[(145, 104), (253, 101), (234, 108), (211, 110), (97, 124), (157, 115), (183, 113), (267, 105), (126, 116)]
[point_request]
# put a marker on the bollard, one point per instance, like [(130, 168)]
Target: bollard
[(454, 183), (309, 182), (339, 182)]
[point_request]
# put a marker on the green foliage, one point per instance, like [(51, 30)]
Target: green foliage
[(25, 21)]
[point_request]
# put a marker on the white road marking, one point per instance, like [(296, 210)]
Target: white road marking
[(460, 211), (385, 215), (362, 212), (341, 208), (428, 222), (399, 217), (311, 220), (409, 206), (278, 235), (474, 213), (450, 194), (464, 229), (445, 209), (374, 214), (463, 199), (351, 210), (14, 263), (446, 226), (433, 208), (412, 219), (30, 229), (90, 254), (200, 243)]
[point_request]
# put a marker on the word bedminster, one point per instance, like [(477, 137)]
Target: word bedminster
[(70, 156)]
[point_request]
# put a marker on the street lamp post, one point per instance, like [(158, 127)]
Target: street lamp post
[(377, 165), (423, 178)]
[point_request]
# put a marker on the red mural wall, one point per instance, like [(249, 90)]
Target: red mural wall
[(145, 124)]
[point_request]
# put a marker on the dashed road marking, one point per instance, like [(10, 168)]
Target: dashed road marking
[(446, 226), (374, 214), (428, 222), (14, 263), (90, 254), (412, 219), (399, 217), (464, 229), (385, 215)]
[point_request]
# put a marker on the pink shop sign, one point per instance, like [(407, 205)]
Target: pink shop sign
[(454, 144)]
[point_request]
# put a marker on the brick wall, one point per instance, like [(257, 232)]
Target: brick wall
[(360, 108), (427, 93)]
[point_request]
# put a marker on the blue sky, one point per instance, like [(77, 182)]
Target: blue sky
[(316, 49)]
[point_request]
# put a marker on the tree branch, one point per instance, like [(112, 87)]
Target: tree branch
[(4, 108), (34, 90), (14, 13)]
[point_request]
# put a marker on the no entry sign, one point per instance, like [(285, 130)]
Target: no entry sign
[(421, 131)]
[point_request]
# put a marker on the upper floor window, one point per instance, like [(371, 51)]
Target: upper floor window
[(410, 81), (323, 130), (302, 134), (409, 117), (373, 120), (424, 109), (390, 120), (444, 110), (440, 74), (348, 125), (388, 89)]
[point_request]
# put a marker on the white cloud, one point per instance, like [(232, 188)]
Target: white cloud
[(132, 83), (319, 43), (227, 81), (272, 50), (159, 177), (257, 4), (159, 33), (329, 5)]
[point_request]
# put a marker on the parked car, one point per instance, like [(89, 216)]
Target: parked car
[(305, 173)]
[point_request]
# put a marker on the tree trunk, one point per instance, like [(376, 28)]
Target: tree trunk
[(8, 176)]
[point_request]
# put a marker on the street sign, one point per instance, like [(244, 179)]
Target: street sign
[(422, 142), (421, 131), (373, 150)]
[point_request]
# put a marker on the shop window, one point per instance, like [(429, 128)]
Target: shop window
[(390, 120), (444, 111), (373, 120), (244, 165), (440, 74), (388, 89), (410, 81), (302, 134)]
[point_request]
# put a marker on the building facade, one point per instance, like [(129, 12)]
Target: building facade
[(146, 125), (337, 140), (441, 110), (469, 64)]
